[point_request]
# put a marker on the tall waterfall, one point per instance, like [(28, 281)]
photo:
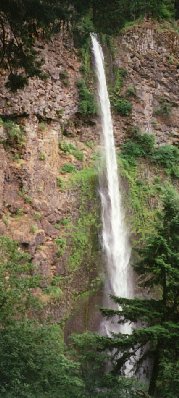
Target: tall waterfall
[(115, 235)]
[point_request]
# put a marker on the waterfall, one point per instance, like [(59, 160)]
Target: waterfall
[(114, 234)]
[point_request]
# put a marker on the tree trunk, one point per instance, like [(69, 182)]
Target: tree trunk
[(155, 371)]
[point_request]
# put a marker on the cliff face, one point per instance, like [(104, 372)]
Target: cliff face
[(48, 185), (150, 54)]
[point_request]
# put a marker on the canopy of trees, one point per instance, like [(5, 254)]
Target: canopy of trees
[(22, 21)]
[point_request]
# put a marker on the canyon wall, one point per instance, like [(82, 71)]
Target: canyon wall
[(49, 191)]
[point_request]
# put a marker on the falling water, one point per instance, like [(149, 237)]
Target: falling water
[(115, 235)]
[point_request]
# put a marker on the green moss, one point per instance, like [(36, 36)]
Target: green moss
[(84, 232), (138, 200)]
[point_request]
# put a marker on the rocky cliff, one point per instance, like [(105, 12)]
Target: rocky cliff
[(48, 192)]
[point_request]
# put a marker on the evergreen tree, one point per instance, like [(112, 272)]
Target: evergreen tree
[(155, 335)]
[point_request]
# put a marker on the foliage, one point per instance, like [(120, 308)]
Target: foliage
[(78, 154), (60, 183), (143, 145), (68, 168), (140, 145), (33, 229), (25, 19), (41, 156), (61, 245), (68, 147), (164, 109), (138, 199), (29, 19), (62, 223), (83, 24), (131, 91), (64, 77), (84, 232), (16, 281), (168, 157), (122, 106), (87, 105), (33, 363), (157, 333), (120, 74), (25, 196), (14, 134), (99, 381)]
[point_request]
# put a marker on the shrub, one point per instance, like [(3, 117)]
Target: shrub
[(41, 156), (87, 104), (67, 147), (168, 157), (25, 196), (68, 168), (131, 91), (42, 126), (33, 229), (16, 82), (37, 216), (123, 106), (164, 108), (63, 222), (61, 246), (78, 154), (144, 145), (14, 133), (60, 183)]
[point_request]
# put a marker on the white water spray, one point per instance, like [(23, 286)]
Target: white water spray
[(115, 235)]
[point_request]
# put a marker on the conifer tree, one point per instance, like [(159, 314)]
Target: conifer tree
[(155, 335)]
